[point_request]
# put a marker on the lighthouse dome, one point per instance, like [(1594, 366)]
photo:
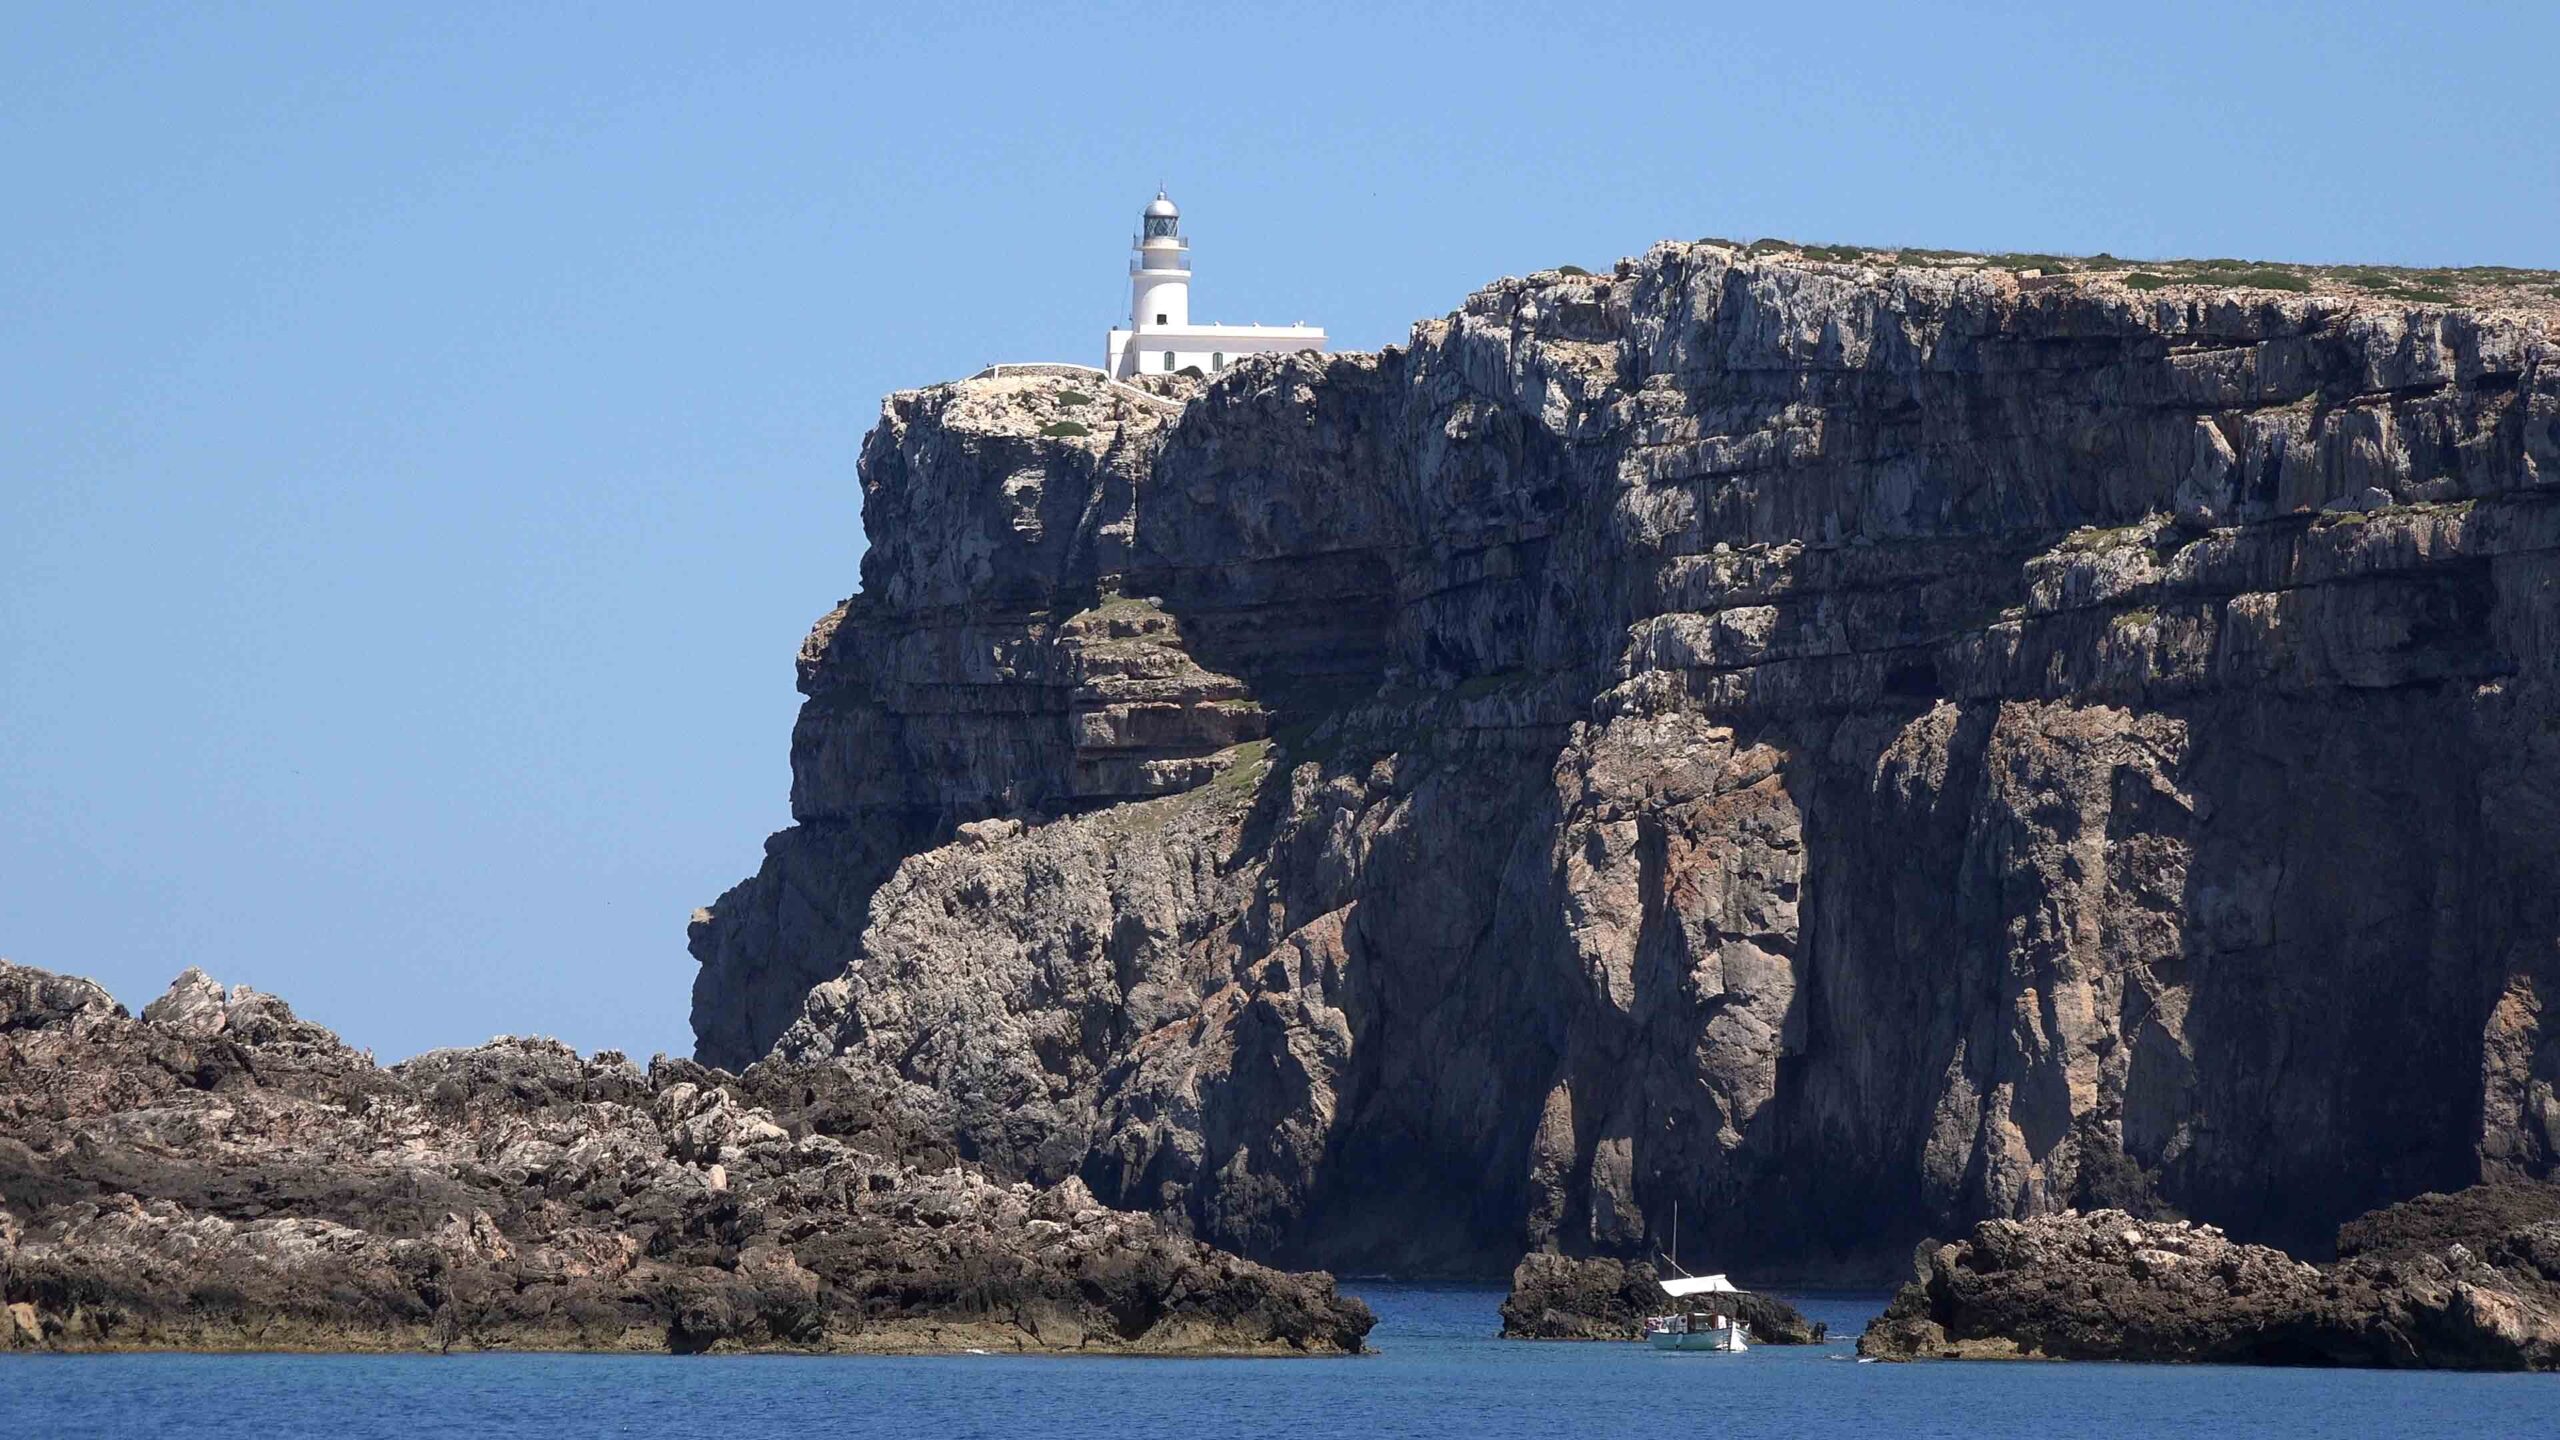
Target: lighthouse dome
[(1161, 208)]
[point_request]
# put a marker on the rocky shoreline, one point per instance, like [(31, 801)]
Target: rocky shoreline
[(220, 1174), (1555, 1297), (2469, 1281)]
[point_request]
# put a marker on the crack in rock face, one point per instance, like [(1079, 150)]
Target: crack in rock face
[(1849, 750)]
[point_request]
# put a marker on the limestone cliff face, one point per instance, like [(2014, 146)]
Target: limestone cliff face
[(1853, 750)]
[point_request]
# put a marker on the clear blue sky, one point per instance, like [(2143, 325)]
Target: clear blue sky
[(426, 432)]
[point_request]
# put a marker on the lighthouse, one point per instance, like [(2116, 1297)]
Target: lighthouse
[(1161, 340), (1160, 273)]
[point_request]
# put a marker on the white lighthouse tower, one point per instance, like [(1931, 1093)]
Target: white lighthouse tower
[(1160, 273), (1161, 340)]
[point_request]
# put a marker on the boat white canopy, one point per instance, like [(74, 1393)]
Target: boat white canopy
[(1688, 1285)]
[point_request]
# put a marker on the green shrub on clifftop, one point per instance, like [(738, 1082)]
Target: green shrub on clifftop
[(2257, 279)]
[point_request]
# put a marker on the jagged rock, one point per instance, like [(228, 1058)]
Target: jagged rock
[(2106, 1286), (30, 999), (221, 1174), (1554, 1297), (195, 1004), (1864, 748)]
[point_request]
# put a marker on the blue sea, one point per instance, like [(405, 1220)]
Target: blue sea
[(1437, 1371)]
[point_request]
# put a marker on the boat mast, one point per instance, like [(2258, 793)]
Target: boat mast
[(1674, 1255)]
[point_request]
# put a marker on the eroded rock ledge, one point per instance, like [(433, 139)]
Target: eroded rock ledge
[(2463, 1282), (1554, 1297), (221, 1175)]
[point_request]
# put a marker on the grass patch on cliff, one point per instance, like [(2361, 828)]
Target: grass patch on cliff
[(1245, 768), (1121, 615), (2254, 277), (2412, 509), (2096, 539), (1834, 254), (1119, 604), (2397, 510), (1074, 397), (2215, 272), (1065, 429), (1573, 272), (2399, 287)]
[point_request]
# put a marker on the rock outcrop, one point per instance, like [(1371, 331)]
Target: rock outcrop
[(221, 1175), (2469, 1282), (1555, 1297), (1856, 748)]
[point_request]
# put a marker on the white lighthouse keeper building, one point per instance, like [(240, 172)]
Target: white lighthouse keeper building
[(1161, 338)]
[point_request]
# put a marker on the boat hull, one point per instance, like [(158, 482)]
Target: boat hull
[(1720, 1342)]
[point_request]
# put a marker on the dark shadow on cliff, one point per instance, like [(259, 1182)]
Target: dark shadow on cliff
[(2344, 958)]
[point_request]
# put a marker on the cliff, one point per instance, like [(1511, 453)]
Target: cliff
[(1855, 745), (220, 1174)]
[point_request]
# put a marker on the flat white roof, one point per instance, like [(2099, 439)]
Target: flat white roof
[(1698, 1285), (1217, 331)]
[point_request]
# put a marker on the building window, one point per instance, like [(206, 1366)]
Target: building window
[(1159, 319), (1217, 359), (1168, 362)]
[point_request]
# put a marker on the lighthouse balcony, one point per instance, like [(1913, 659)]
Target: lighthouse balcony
[(1142, 265)]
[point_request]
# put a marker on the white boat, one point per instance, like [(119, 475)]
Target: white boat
[(1717, 1334), (1702, 1326)]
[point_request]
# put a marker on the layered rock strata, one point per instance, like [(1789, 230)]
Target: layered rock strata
[(1554, 1297), (221, 1175), (1858, 749), (2469, 1282)]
